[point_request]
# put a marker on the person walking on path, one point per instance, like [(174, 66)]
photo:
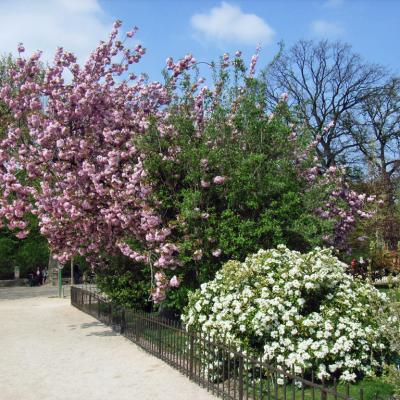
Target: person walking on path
[(44, 275), (38, 276)]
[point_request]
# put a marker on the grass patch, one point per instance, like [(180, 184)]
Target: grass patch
[(372, 389), (392, 293)]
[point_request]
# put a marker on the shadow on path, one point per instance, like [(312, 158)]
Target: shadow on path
[(104, 333), (96, 324), (91, 324)]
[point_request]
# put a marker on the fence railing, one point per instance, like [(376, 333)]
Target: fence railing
[(217, 366)]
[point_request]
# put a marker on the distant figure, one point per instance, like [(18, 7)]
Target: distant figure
[(44, 275), (31, 278), (38, 276)]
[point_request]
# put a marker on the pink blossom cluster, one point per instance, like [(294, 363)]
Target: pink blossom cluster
[(343, 205), (253, 62), (70, 157), (158, 294), (180, 66)]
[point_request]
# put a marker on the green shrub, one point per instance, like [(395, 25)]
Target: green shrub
[(29, 253), (260, 200), (125, 283)]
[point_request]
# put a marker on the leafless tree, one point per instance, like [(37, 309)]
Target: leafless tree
[(375, 128), (323, 81)]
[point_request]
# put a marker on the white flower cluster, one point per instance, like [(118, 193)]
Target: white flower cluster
[(299, 310), (387, 280)]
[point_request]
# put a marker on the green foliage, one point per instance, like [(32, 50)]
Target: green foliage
[(261, 203), (7, 249), (391, 378), (125, 283), (391, 321), (373, 388), (28, 253)]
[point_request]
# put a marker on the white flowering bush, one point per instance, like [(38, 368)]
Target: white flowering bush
[(302, 311)]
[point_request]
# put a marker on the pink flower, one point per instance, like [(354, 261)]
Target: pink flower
[(284, 97), (158, 295), (159, 276), (170, 63), (216, 253), (174, 282), (22, 234), (218, 180), (205, 184), (330, 125)]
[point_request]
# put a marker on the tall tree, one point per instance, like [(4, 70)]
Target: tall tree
[(323, 82), (74, 163), (375, 128)]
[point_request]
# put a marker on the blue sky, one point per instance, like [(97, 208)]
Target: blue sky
[(205, 28)]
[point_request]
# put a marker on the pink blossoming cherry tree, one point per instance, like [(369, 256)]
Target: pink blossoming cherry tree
[(70, 157)]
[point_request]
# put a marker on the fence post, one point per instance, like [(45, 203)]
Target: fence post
[(191, 356), (240, 390), (123, 321), (90, 303), (323, 390), (159, 339), (98, 307)]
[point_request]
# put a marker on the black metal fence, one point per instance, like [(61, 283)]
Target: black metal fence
[(219, 367)]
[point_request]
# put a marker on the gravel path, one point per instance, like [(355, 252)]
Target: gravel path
[(26, 292), (51, 351)]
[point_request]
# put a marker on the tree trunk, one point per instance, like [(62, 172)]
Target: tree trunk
[(390, 224)]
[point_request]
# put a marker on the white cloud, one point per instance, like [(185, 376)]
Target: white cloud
[(324, 28), (228, 23), (76, 25)]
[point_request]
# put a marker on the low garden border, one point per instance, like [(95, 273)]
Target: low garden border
[(240, 376)]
